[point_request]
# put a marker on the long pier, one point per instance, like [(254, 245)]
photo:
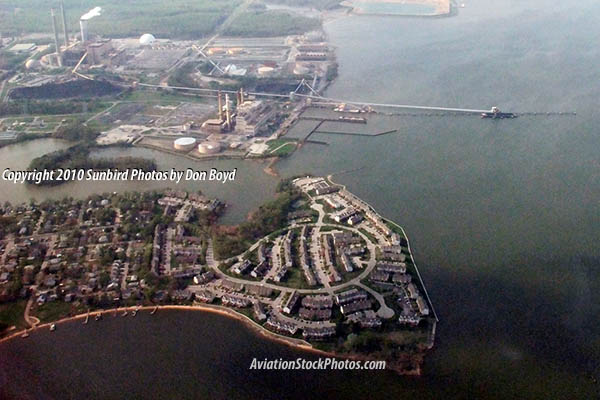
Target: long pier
[(328, 101), (321, 100)]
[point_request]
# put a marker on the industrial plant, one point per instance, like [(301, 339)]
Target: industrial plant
[(304, 56), (228, 123)]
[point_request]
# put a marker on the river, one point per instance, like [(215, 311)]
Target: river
[(503, 217), (253, 183)]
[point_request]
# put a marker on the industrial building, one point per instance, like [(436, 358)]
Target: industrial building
[(312, 56), (313, 47), (251, 115), (98, 51), (225, 121), (21, 48)]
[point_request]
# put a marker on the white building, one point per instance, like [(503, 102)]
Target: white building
[(251, 115)]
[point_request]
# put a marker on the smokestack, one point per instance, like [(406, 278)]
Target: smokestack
[(239, 97), (83, 24), (58, 54), (228, 112), (242, 95), (220, 105), (64, 20)]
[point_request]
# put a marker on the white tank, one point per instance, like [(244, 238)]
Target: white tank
[(32, 64), (264, 71), (147, 39), (209, 148), (184, 144)]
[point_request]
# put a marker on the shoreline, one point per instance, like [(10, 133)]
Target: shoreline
[(440, 9), (270, 168), (295, 343)]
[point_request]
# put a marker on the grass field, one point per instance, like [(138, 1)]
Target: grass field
[(295, 279), (12, 314), (55, 310), (281, 147)]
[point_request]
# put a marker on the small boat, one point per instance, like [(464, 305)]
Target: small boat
[(134, 313), (98, 317), (495, 113), (52, 327), (25, 334), (154, 311), (124, 313)]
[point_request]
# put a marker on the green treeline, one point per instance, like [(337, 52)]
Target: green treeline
[(77, 157), (271, 23), (164, 19), (80, 88), (75, 132), (33, 107), (318, 4), (181, 77), (175, 19), (269, 218)]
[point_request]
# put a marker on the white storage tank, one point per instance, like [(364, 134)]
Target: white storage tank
[(184, 144), (209, 148), (147, 39), (265, 71)]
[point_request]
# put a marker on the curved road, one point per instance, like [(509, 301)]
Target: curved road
[(384, 311)]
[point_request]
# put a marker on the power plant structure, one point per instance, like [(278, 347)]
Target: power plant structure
[(67, 55), (56, 44), (240, 97), (226, 119), (249, 116), (83, 26), (64, 20), (83, 22)]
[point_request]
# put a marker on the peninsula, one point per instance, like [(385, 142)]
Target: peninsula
[(316, 267)]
